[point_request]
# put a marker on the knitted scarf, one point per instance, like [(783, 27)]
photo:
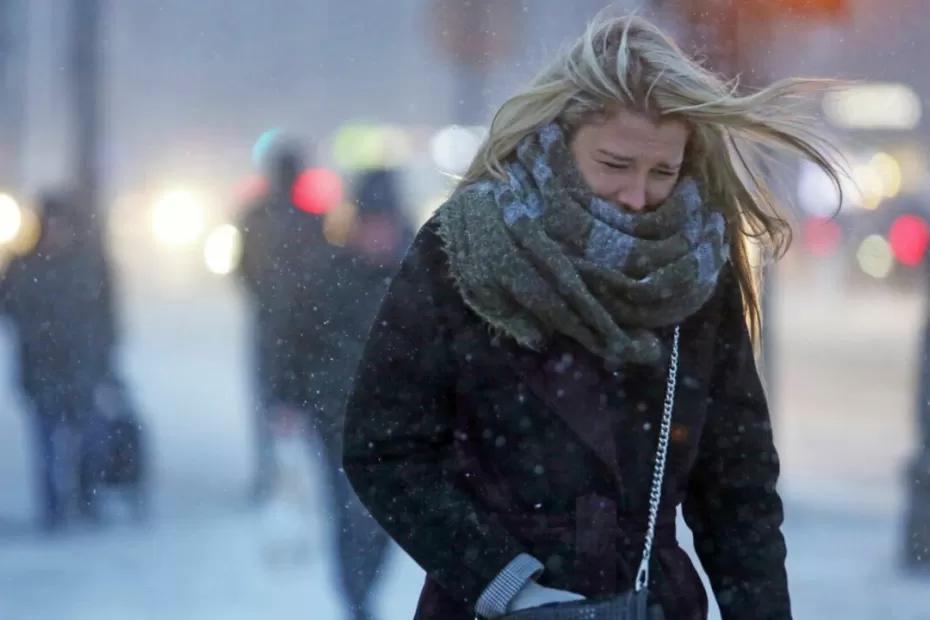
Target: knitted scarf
[(540, 254)]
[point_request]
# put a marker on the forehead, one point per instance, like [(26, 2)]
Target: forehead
[(635, 135)]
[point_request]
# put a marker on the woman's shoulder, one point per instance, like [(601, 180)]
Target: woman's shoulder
[(426, 256), (428, 240), (424, 269), (724, 317)]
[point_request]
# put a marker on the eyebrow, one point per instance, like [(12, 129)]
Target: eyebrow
[(626, 160)]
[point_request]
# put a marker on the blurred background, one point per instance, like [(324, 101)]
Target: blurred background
[(154, 125)]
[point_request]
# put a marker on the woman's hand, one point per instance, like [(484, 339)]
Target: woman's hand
[(534, 595)]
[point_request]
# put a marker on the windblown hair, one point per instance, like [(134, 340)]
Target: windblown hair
[(628, 63)]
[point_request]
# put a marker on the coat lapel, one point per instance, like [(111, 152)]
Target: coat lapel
[(568, 382)]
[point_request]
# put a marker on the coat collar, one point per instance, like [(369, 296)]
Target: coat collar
[(569, 381)]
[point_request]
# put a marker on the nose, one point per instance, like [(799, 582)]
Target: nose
[(632, 196)]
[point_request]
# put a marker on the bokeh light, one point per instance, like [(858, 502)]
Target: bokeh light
[(874, 106), (889, 172), (816, 192), (821, 236), (909, 237), (11, 218), (869, 187), (223, 249), (339, 223), (453, 148), (359, 146), (178, 218), (263, 145), (875, 257), (317, 191)]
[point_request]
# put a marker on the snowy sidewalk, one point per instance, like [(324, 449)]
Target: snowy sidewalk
[(843, 565), (211, 566)]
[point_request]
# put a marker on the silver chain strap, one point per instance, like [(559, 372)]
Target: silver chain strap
[(658, 474)]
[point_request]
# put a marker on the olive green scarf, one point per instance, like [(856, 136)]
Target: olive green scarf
[(540, 254)]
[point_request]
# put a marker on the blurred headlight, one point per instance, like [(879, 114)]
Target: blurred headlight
[(178, 218), (223, 249), (11, 219)]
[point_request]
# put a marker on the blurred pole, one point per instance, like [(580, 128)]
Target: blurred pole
[(473, 35), (916, 543), (84, 74), (13, 57)]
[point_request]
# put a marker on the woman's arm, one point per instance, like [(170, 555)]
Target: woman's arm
[(732, 506), (399, 434)]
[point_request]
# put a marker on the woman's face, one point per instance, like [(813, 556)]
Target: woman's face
[(629, 159)]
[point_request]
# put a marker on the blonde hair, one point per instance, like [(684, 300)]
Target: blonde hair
[(627, 62)]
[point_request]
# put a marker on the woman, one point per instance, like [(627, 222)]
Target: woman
[(504, 423)]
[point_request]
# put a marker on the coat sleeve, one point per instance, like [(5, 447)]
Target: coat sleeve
[(399, 451), (732, 505)]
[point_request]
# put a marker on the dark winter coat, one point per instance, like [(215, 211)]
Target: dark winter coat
[(322, 346), (290, 272), (470, 450), (60, 304)]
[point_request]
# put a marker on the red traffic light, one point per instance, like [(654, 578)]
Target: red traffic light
[(909, 237), (317, 191)]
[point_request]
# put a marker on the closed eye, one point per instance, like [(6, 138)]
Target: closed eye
[(665, 173), (614, 166)]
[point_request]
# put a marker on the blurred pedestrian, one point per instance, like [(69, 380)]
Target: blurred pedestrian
[(380, 234), (59, 301), (566, 353), (378, 238), (276, 235), (314, 302), (916, 535)]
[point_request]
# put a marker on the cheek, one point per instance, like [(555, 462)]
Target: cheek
[(658, 190)]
